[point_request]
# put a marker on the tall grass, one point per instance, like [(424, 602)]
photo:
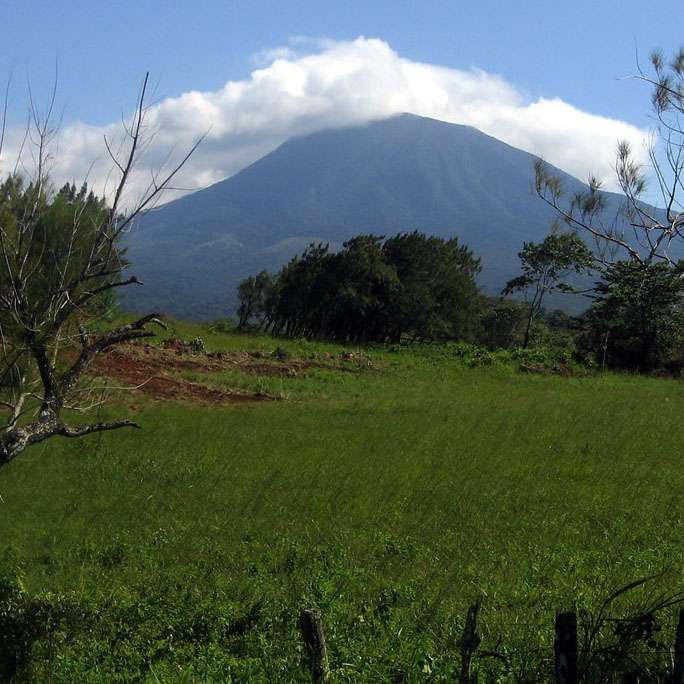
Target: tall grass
[(390, 498)]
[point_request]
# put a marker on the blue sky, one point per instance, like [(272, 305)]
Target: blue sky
[(546, 64)]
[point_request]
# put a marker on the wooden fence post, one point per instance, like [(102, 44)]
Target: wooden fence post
[(311, 624), (565, 648), (469, 642), (678, 670)]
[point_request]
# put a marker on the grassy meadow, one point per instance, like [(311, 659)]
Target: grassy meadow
[(390, 497)]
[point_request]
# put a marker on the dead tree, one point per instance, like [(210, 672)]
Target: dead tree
[(60, 261)]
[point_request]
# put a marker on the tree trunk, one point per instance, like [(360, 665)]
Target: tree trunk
[(526, 338)]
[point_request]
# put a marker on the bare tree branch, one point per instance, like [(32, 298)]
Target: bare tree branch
[(68, 431)]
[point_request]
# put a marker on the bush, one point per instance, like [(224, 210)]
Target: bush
[(222, 325)]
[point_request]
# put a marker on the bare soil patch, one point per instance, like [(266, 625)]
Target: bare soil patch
[(152, 371)]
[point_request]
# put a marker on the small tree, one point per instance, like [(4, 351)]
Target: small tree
[(545, 266), (61, 261), (253, 293)]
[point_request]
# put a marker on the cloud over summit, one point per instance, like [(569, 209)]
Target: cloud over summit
[(305, 88)]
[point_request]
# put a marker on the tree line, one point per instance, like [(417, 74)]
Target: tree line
[(417, 288), (410, 286)]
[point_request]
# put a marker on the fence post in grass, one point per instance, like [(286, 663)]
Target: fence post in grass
[(311, 624), (678, 670), (469, 642), (565, 648)]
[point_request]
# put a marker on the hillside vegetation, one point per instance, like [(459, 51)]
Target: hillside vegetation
[(388, 487)]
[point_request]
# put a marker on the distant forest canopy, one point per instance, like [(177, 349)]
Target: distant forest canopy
[(373, 290)]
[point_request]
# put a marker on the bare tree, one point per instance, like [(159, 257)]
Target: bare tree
[(637, 232), (61, 260)]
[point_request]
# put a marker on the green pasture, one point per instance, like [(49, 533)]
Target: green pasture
[(390, 498)]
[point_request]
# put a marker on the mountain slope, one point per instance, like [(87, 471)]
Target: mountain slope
[(401, 174)]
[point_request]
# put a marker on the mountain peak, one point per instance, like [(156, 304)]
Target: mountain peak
[(384, 177)]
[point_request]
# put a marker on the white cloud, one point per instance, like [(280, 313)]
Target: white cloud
[(327, 84)]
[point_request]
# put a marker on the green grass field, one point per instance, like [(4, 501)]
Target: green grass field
[(390, 498)]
